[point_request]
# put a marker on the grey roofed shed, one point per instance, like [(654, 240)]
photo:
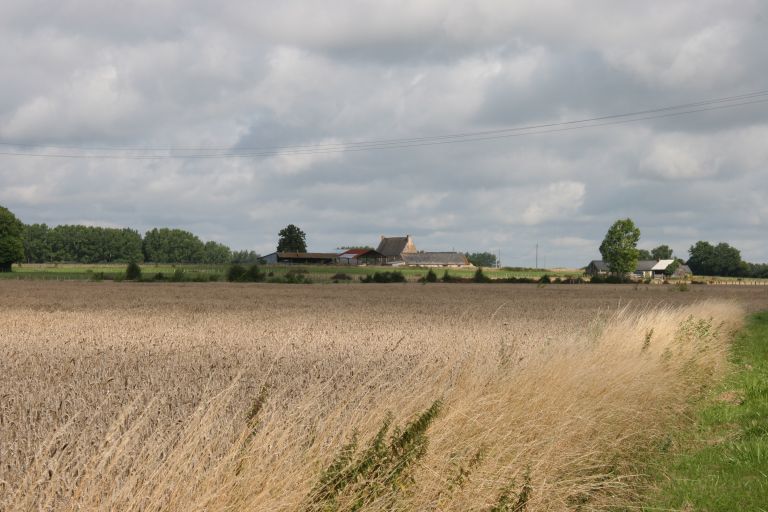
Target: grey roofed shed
[(645, 265), (435, 259)]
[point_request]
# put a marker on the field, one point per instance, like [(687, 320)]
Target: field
[(317, 273), (215, 396)]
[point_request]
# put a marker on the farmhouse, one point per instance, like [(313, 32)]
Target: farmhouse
[(393, 247), (300, 258)]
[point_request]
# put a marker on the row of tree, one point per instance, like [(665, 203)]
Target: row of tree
[(92, 244)]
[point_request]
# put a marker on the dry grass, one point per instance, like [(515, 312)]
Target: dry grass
[(226, 397)]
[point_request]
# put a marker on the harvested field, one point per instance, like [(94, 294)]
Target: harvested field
[(241, 397)]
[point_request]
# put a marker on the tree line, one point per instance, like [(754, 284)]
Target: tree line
[(93, 244)]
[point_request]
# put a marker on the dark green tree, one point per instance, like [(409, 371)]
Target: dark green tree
[(245, 257), (37, 247), (11, 240), (482, 259), (644, 254), (662, 252), (702, 258), (291, 239), (172, 246), (619, 247), (720, 260), (216, 254)]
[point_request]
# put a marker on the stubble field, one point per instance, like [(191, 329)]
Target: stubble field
[(121, 396)]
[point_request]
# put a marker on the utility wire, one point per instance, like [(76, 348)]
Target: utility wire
[(345, 147)]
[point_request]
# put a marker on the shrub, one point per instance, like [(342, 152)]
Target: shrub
[(545, 279), (133, 271), (341, 276), (447, 277), (235, 273), (480, 277), (430, 277), (178, 276), (384, 277), (254, 274)]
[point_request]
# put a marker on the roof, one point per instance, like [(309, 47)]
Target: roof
[(682, 270), (600, 265), (662, 264), (646, 266), (435, 258), (355, 252), (392, 245), (307, 255), (358, 253)]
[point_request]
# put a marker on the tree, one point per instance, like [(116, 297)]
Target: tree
[(172, 246), (216, 253), (719, 260), (644, 254), (482, 259), (245, 257), (619, 247), (662, 252), (37, 247), (292, 239), (11, 240)]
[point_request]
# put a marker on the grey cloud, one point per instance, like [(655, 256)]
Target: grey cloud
[(269, 75)]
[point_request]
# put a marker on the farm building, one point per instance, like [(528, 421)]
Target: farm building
[(435, 259), (393, 247), (597, 268), (361, 257), (652, 269), (300, 258), (645, 269)]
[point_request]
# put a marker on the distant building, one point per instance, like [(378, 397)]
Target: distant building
[(361, 257), (300, 258), (597, 268), (645, 269), (393, 247), (435, 259)]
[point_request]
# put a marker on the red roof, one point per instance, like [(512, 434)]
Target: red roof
[(355, 251)]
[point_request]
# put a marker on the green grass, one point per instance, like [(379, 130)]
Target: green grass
[(317, 273), (724, 465)]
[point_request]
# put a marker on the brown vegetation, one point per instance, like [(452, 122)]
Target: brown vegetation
[(267, 397)]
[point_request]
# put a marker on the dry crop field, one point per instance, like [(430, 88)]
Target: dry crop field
[(183, 397)]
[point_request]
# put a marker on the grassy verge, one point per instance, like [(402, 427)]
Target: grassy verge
[(724, 467)]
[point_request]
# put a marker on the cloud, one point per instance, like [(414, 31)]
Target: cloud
[(556, 200), (267, 77)]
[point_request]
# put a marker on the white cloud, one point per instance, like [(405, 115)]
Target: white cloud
[(555, 201)]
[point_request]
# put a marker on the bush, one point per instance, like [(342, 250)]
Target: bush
[(254, 274), (431, 277), (384, 277), (480, 277), (178, 276), (235, 273), (341, 276), (133, 271), (545, 279)]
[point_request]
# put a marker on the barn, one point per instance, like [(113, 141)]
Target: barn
[(300, 258)]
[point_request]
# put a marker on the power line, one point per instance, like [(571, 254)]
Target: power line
[(345, 147)]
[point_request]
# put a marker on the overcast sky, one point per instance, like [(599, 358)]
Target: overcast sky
[(162, 73)]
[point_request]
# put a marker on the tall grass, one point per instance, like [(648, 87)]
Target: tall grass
[(212, 409)]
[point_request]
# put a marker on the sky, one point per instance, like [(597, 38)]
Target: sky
[(90, 89)]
